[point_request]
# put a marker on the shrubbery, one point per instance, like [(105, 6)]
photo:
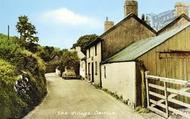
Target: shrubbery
[(14, 60), (7, 71), (10, 104), (83, 41)]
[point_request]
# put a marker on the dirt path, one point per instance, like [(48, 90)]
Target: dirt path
[(76, 99)]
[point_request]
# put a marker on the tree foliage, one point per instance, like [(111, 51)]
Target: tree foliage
[(83, 41), (48, 53), (26, 30), (70, 60)]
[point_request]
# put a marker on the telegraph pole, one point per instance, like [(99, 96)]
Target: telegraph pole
[(8, 31)]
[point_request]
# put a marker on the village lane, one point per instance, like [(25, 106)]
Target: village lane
[(77, 99)]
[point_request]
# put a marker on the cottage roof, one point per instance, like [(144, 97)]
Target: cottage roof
[(131, 15), (173, 21), (137, 49), (94, 42)]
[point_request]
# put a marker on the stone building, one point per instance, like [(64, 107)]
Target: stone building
[(131, 47), (115, 38)]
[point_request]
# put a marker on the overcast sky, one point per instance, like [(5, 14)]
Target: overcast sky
[(61, 22)]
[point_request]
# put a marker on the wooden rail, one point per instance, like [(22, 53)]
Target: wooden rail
[(168, 95)]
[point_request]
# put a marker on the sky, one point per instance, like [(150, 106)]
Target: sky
[(61, 22)]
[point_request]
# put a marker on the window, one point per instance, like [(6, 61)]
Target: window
[(88, 68), (95, 50), (89, 52), (96, 68), (105, 72)]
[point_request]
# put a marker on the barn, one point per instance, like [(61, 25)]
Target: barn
[(166, 55)]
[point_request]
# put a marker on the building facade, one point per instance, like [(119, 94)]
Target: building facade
[(131, 47), (165, 55), (93, 61), (114, 39), (82, 58)]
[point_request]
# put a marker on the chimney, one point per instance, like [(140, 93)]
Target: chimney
[(108, 24), (147, 20), (181, 8), (130, 6)]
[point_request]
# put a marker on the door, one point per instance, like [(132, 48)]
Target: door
[(88, 71), (92, 72)]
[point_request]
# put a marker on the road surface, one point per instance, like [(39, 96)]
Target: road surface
[(77, 99)]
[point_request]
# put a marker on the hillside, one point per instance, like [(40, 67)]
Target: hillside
[(22, 80)]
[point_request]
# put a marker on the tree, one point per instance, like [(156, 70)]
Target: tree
[(26, 30), (83, 41), (70, 60)]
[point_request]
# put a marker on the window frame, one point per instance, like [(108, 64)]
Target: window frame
[(105, 75), (89, 53), (96, 50), (96, 68)]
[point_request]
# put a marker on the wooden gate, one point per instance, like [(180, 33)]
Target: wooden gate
[(164, 98)]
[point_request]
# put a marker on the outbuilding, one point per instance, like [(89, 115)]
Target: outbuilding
[(166, 55)]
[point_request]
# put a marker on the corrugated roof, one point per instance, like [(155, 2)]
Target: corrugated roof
[(140, 47)]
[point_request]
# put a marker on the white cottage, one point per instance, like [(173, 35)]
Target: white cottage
[(93, 60), (81, 56)]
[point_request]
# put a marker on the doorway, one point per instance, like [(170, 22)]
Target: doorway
[(92, 72)]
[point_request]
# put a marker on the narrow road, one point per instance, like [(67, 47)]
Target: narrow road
[(76, 99)]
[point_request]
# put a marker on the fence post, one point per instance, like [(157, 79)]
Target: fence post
[(147, 89), (166, 99)]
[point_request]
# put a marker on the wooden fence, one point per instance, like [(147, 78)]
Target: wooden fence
[(162, 97)]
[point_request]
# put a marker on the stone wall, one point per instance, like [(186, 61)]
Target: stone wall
[(123, 35)]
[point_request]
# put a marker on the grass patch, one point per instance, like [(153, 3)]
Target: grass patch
[(142, 110), (120, 98), (97, 86), (115, 95)]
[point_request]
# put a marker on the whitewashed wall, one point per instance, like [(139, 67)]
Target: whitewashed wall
[(120, 78), (82, 68), (80, 54), (92, 58)]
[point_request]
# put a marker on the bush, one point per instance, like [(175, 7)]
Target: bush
[(8, 96), (70, 60), (7, 71), (10, 50), (14, 60), (15, 54)]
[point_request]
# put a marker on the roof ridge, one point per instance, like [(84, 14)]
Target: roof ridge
[(127, 17), (173, 21)]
